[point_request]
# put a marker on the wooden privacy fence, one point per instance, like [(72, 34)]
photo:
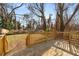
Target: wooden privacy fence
[(3, 45), (71, 37), (72, 42), (37, 37), (74, 39)]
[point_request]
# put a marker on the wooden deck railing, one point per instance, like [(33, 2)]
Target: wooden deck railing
[(72, 38), (33, 38), (68, 36), (38, 37), (3, 44)]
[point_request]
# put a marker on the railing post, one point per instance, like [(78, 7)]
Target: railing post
[(70, 42), (28, 40), (4, 50)]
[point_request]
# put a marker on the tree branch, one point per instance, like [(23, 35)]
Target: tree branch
[(15, 8), (76, 9)]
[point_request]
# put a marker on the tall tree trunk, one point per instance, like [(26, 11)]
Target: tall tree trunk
[(44, 24), (62, 23)]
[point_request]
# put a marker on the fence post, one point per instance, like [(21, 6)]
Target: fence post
[(4, 50), (28, 40), (70, 42)]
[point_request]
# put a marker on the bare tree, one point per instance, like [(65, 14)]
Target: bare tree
[(26, 18), (38, 10), (49, 22), (7, 11), (61, 8), (74, 12)]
